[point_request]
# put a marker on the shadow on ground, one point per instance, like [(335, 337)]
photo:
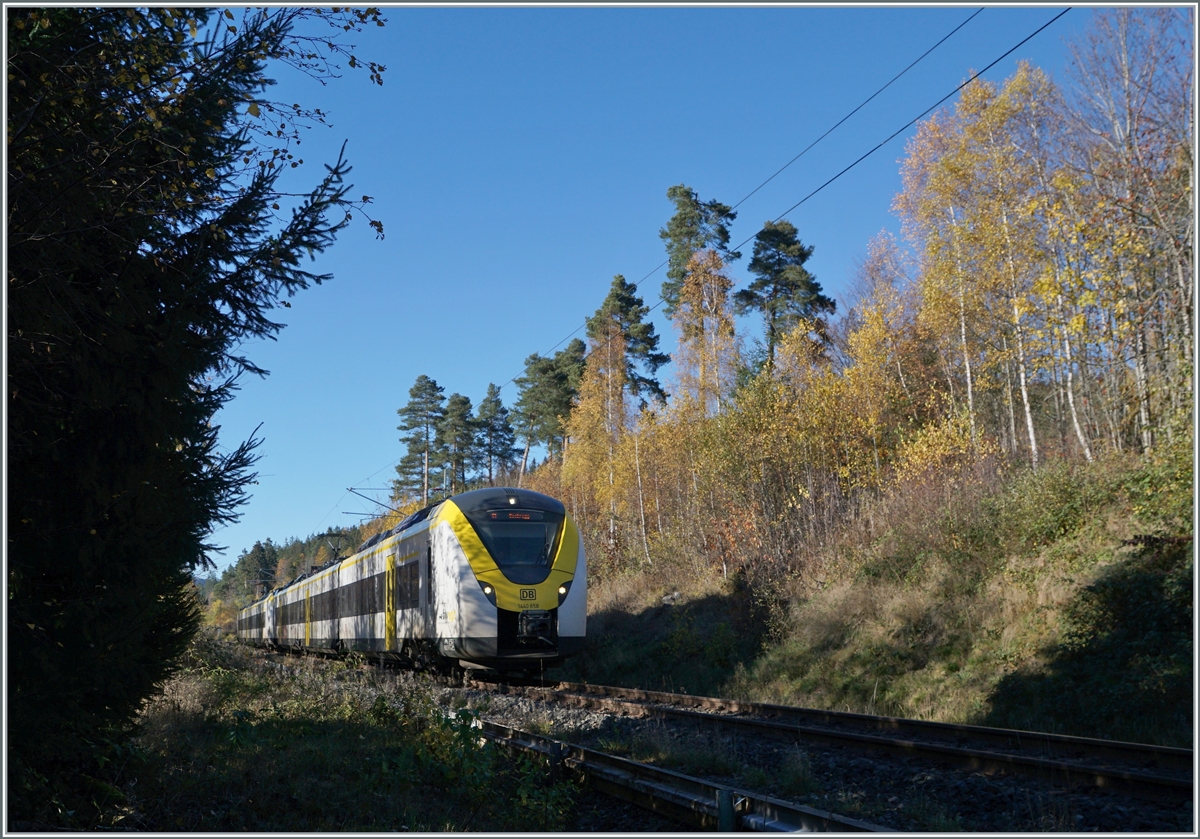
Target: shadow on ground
[(1123, 667), (683, 645)]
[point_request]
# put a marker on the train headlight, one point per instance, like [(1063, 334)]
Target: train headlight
[(489, 592), (562, 592)]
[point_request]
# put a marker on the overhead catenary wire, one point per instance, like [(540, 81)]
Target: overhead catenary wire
[(804, 151), (878, 146), (913, 121), (859, 108), (363, 481), (831, 180)]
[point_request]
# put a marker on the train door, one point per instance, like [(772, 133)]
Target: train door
[(307, 616), (269, 633), (428, 604), (389, 603), (331, 598)]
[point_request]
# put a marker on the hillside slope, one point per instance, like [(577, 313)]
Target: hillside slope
[(1060, 600)]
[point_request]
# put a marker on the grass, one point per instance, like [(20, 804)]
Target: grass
[(1055, 600), (690, 645), (237, 744), (701, 753), (795, 776)]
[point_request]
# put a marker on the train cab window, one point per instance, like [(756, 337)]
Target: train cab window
[(522, 542)]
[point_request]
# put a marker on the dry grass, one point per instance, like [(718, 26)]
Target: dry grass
[(949, 601)]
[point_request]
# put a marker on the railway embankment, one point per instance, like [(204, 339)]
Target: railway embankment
[(826, 771), (1058, 600)]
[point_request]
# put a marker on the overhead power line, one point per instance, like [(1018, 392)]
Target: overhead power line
[(860, 106), (876, 148), (911, 122)]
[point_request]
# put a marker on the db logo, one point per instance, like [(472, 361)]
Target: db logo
[(528, 594)]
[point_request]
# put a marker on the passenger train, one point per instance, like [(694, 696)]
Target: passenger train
[(493, 578)]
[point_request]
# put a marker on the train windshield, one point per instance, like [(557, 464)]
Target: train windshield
[(522, 542)]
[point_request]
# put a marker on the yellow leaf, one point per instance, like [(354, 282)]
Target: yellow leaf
[(253, 109)]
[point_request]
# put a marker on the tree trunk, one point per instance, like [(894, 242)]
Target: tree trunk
[(524, 462), (962, 331), (1066, 338), (641, 501)]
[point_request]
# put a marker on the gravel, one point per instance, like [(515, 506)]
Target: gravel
[(900, 793)]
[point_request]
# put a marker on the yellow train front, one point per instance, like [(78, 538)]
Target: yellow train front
[(493, 578)]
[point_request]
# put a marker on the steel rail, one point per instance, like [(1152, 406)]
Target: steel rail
[(1163, 757), (1064, 772), (680, 797)]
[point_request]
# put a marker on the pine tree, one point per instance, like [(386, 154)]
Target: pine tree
[(784, 291), (143, 249), (696, 226), (421, 417)]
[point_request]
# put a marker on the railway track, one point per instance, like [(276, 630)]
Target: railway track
[(933, 777), (680, 797), (1129, 768)]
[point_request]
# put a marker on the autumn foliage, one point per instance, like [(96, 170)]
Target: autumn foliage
[(1040, 309)]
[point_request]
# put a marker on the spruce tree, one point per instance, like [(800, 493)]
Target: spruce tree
[(421, 417), (496, 444), (456, 438), (696, 226), (623, 306), (144, 249)]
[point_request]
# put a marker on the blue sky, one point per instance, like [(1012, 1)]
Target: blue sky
[(520, 157)]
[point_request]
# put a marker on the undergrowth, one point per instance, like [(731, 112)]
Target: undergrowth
[(668, 629), (1058, 599), (238, 744)]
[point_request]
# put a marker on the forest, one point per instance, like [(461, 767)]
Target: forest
[(963, 490), (1038, 309)]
